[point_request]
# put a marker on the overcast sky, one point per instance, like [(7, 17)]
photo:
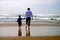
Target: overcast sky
[(37, 6)]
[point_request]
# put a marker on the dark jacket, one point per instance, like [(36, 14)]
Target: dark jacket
[(19, 21)]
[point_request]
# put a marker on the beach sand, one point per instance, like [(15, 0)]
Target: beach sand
[(8, 24), (31, 38)]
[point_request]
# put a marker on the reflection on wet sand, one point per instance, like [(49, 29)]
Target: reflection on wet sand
[(33, 31), (27, 31)]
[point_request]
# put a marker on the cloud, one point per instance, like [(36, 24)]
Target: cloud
[(46, 1), (41, 6)]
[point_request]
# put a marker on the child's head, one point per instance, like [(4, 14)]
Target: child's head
[(19, 16)]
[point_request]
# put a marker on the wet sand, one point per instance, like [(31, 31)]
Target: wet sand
[(10, 24)]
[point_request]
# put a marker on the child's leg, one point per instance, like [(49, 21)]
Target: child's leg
[(26, 25), (19, 31)]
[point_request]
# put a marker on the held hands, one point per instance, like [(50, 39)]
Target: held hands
[(23, 18)]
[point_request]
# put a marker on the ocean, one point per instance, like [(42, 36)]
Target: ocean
[(35, 18)]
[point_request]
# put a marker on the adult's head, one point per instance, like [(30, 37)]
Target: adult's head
[(28, 8)]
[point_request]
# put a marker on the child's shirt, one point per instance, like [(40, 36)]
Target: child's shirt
[(19, 20)]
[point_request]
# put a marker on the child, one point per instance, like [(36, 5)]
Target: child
[(19, 21), (19, 24)]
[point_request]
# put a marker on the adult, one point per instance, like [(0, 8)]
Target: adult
[(28, 16)]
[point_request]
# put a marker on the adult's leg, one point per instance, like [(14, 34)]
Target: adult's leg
[(29, 22), (26, 22)]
